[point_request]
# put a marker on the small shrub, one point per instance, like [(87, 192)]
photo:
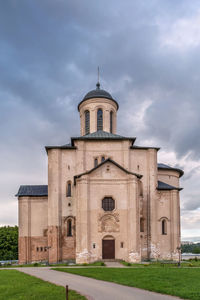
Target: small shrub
[(35, 264), (191, 265)]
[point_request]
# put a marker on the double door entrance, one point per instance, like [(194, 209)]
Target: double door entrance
[(108, 249)]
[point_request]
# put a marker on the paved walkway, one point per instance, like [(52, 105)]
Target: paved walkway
[(94, 289), (114, 264)]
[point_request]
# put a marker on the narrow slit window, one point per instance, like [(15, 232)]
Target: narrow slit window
[(69, 189), (111, 122), (99, 119), (164, 227), (87, 122), (95, 162), (141, 225), (69, 227)]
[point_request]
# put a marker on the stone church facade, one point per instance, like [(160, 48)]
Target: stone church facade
[(106, 198)]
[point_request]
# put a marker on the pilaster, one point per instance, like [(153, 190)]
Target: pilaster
[(54, 204), (134, 254), (82, 225)]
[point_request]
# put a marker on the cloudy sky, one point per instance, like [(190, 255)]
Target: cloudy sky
[(149, 57)]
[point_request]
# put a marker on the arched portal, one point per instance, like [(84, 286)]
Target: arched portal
[(108, 247)]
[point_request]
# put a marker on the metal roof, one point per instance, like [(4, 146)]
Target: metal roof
[(98, 93), (166, 167), (165, 186), (32, 190), (144, 147), (102, 135), (66, 146), (97, 135)]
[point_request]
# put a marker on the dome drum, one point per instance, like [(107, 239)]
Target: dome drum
[(98, 111)]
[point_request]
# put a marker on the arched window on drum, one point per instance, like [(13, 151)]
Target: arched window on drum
[(111, 122), (99, 119), (87, 122)]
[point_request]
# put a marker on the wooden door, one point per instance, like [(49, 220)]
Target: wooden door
[(108, 249)]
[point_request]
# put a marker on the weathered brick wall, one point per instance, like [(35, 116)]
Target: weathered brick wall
[(32, 249), (68, 248), (38, 251)]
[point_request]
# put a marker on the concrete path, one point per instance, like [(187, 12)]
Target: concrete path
[(114, 264), (92, 288)]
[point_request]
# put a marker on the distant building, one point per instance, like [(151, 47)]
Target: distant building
[(186, 243), (106, 197)]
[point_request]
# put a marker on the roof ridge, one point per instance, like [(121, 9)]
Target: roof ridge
[(99, 165), (104, 132)]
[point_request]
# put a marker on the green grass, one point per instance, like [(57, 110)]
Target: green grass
[(184, 283), (95, 264), (165, 264), (15, 285)]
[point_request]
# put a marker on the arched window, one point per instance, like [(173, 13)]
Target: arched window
[(164, 227), (95, 162), (99, 119), (111, 122), (141, 225), (87, 122), (69, 189), (102, 159), (69, 227), (108, 204)]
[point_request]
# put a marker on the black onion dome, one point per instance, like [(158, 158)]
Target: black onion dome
[(98, 93)]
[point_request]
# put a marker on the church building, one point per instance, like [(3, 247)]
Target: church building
[(106, 198)]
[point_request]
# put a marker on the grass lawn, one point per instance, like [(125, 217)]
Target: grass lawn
[(15, 285), (188, 264), (184, 283), (94, 264)]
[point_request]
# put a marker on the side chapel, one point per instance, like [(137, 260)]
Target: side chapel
[(106, 197)]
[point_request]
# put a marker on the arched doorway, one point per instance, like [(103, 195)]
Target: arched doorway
[(108, 247)]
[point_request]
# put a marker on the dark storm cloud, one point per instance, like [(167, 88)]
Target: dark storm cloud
[(49, 52)]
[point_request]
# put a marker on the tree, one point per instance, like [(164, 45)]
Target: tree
[(9, 243), (190, 248)]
